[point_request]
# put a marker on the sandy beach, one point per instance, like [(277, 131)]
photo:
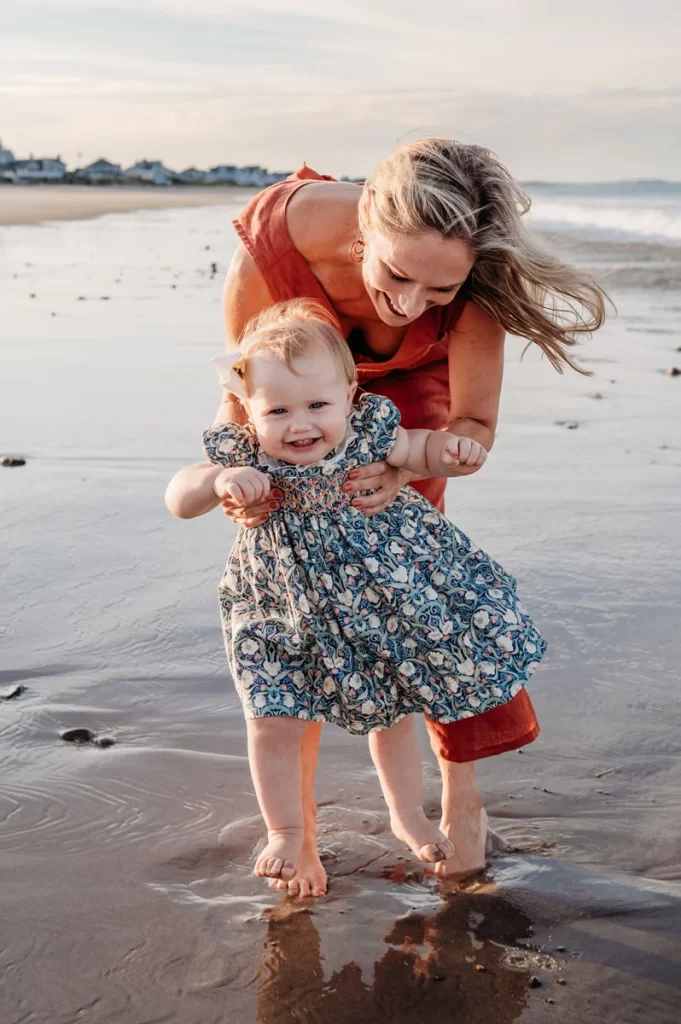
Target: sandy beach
[(125, 887), (32, 204)]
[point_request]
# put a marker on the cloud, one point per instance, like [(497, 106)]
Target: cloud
[(578, 92)]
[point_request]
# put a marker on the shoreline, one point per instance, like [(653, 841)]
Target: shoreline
[(36, 204)]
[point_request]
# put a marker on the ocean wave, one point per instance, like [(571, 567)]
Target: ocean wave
[(600, 218)]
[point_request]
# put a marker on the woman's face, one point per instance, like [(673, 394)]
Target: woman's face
[(407, 274)]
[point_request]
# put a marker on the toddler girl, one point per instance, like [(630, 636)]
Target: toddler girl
[(329, 615)]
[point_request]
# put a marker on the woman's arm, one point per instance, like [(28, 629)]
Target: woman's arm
[(476, 369), (191, 491)]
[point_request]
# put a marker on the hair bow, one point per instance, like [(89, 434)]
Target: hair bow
[(231, 369)]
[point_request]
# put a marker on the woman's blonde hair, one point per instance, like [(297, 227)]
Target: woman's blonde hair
[(463, 191), (288, 330)]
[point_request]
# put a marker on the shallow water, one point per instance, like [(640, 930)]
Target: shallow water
[(125, 882)]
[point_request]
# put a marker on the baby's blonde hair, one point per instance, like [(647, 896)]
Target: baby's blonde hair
[(289, 330), (463, 191)]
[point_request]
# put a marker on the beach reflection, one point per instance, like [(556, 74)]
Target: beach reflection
[(430, 970)]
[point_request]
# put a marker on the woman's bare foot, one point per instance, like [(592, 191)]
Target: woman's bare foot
[(423, 837), (280, 857), (310, 879), (466, 827)]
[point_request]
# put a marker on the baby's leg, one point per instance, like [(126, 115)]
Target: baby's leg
[(397, 758), (274, 757)]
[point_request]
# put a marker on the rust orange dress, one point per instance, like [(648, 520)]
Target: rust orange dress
[(416, 379)]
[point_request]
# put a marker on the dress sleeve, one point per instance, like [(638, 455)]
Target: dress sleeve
[(376, 420), (230, 444)]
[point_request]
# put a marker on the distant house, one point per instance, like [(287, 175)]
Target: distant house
[(100, 170), (224, 173), (193, 176), (253, 175), (47, 169), (276, 176), (6, 156), (150, 171)]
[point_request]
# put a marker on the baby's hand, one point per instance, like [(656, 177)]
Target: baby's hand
[(244, 484), (463, 451)]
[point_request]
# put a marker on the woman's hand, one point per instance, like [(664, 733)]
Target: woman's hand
[(384, 480)]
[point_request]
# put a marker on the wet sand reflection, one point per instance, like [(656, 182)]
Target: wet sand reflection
[(451, 966)]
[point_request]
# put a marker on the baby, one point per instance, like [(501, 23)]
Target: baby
[(331, 616)]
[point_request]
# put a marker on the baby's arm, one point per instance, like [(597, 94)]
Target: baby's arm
[(434, 452), (195, 490)]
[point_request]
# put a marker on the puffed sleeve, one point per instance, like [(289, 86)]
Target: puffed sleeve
[(230, 444), (375, 420)]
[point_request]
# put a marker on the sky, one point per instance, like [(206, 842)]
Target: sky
[(580, 91)]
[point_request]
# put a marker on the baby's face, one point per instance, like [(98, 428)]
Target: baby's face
[(299, 417)]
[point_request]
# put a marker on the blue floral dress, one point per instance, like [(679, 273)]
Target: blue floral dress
[(332, 616)]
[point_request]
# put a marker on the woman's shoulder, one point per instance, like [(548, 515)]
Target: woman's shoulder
[(321, 217)]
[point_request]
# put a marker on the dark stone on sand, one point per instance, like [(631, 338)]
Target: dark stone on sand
[(480, 968), (560, 949), (78, 735), (550, 1000), (105, 742), (534, 982), (10, 692), (561, 981), (568, 424), (595, 394), (12, 460), (104, 298), (173, 286), (81, 298), (32, 295), (213, 268), (437, 977), (673, 371)]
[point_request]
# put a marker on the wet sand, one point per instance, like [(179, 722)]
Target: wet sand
[(125, 887), (32, 204)]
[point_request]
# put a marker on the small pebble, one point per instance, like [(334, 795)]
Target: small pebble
[(32, 295), (10, 692), (549, 1000), (480, 968), (568, 424), (437, 977), (104, 298), (534, 982), (213, 268), (595, 394), (78, 735), (561, 981), (673, 371), (11, 460), (105, 741), (560, 949), (81, 298)]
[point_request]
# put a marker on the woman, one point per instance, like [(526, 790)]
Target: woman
[(425, 268)]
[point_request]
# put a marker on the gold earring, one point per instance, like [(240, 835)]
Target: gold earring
[(357, 250)]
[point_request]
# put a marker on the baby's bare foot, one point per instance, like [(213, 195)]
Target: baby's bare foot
[(424, 838), (280, 857), (310, 878)]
